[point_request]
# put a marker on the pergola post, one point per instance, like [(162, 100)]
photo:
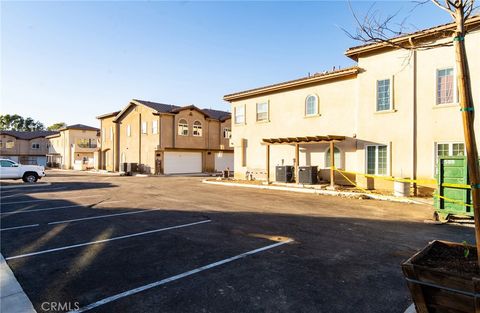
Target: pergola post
[(332, 164), (268, 163), (297, 161)]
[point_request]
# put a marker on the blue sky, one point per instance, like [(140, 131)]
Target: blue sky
[(72, 61)]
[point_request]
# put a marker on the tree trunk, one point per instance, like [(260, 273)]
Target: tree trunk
[(466, 104)]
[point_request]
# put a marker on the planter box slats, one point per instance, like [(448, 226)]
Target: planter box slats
[(439, 291)]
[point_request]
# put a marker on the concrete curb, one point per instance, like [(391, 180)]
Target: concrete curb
[(345, 194), (12, 297), (25, 185)]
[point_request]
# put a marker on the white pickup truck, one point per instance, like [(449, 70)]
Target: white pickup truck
[(12, 170)]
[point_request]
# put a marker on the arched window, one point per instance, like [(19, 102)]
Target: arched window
[(197, 129), (311, 105), (337, 158), (183, 127)]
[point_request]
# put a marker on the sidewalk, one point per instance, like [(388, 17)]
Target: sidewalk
[(12, 297), (313, 190)]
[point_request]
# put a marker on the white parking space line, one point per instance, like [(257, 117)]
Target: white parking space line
[(19, 227), (105, 240), (25, 186), (58, 199), (100, 216), (31, 192), (60, 207), (176, 277)]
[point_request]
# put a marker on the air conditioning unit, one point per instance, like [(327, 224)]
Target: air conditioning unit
[(284, 174), (307, 175)]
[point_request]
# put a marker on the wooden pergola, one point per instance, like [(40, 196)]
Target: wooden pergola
[(297, 141)]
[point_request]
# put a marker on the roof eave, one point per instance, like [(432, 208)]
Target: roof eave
[(355, 51), (291, 84)]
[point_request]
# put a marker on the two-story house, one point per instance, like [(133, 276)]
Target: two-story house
[(73, 147), (166, 139), (25, 147), (392, 114)]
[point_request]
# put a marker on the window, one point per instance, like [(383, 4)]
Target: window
[(103, 134), (87, 143), (10, 144), (445, 86), (311, 105), (1, 144), (197, 129), (6, 163), (447, 149), (240, 115), (144, 127), (35, 146), (377, 160), (384, 98), (154, 127), (336, 156), (183, 127), (111, 133), (262, 111), (227, 133), (129, 130)]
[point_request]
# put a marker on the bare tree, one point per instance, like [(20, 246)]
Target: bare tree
[(372, 29)]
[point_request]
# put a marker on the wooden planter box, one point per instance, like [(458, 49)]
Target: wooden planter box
[(438, 291)]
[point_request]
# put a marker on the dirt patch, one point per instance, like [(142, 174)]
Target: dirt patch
[(451, 259)]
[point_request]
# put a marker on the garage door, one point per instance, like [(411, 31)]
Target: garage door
[(182, 162), (223, 160)]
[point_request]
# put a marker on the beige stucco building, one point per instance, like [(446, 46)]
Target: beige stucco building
[(73, 147), (397, 110), (25, 147), (165, 139)]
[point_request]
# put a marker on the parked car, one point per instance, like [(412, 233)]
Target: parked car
[(28, 173)]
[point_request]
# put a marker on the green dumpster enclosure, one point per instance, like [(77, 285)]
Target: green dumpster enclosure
[(452, 182)]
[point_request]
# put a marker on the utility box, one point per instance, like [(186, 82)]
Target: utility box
[(308, 175), (128, 168), (453, 184), (284, 174)]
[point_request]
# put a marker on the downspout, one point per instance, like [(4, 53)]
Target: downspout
[(159, 131), (414, 139), (174, 141), (139, 138)]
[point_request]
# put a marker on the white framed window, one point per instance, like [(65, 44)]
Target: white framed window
[(240, 114), (336, 155), (197, 129), (129, 130), (35, 146), (183, 127), (384, 95), (377, 159), (154, 127), (444, 149), (227, 133), (262, 111), (311, 105), (445, 86), (144, 127), (111, 133), (10, 144)]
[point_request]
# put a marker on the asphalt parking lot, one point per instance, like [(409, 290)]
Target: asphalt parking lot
[(173, 244)]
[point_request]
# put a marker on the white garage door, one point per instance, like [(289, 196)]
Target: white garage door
[(223, 160), (182, 162)]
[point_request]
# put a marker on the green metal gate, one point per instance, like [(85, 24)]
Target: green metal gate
[(453, 195)]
